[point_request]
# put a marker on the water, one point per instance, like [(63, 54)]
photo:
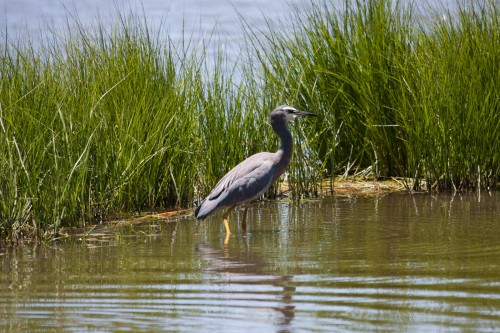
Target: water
[(206, 25), (212, 28), (401, 263), (216, 24)]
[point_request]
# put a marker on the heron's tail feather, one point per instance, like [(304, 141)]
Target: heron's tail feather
[(197, 211), (207, 207)]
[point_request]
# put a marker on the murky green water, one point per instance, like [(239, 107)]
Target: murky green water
[(397, 263)]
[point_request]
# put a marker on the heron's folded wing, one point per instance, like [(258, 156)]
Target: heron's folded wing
[(258, 164)]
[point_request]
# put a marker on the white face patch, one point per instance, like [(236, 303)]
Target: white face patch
[(290, 115)]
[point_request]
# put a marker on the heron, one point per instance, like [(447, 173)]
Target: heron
[(251, 178)]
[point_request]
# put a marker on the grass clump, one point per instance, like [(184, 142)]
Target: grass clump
[(403, 90), (105, 121), (89, 126)]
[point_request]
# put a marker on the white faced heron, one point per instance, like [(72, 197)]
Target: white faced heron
[(251, 178)]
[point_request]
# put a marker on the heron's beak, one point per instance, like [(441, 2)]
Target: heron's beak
[(299, 113)]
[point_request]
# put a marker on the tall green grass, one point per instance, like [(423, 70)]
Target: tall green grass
[(98, 123), (106, 121), (90, 125), (403, 89)]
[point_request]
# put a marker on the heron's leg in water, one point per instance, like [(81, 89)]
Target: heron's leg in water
[(226, 225), (244, 221)]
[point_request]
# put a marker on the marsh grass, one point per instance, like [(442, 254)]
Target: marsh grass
[(111, 120), (107, 121), (87, 124), (403, 89), (94, 124)]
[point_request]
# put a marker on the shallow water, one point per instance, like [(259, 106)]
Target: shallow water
[(400, 263)]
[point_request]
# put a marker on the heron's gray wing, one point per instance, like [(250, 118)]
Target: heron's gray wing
[(253, 173), (245, 182)]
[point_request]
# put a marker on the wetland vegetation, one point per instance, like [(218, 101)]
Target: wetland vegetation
[(103, 121)]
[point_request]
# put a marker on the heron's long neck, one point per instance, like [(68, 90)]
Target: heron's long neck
[(284, 153)]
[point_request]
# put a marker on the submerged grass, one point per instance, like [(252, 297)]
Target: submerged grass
[(110, 120)]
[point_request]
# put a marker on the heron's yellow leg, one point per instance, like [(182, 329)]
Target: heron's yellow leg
[(226, 226), (226, 240)]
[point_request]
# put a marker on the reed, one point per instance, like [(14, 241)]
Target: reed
[(404, 90), (109, 121), (95, 124)]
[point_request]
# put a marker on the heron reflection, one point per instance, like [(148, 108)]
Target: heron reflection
[(244, 268)]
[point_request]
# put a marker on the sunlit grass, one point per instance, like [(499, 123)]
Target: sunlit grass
[(109, 121), (404, 90), (97, 123)]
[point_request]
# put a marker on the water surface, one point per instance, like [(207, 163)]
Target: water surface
[(401, 263)]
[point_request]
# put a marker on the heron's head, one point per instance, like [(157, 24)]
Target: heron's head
[(287, 113)]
